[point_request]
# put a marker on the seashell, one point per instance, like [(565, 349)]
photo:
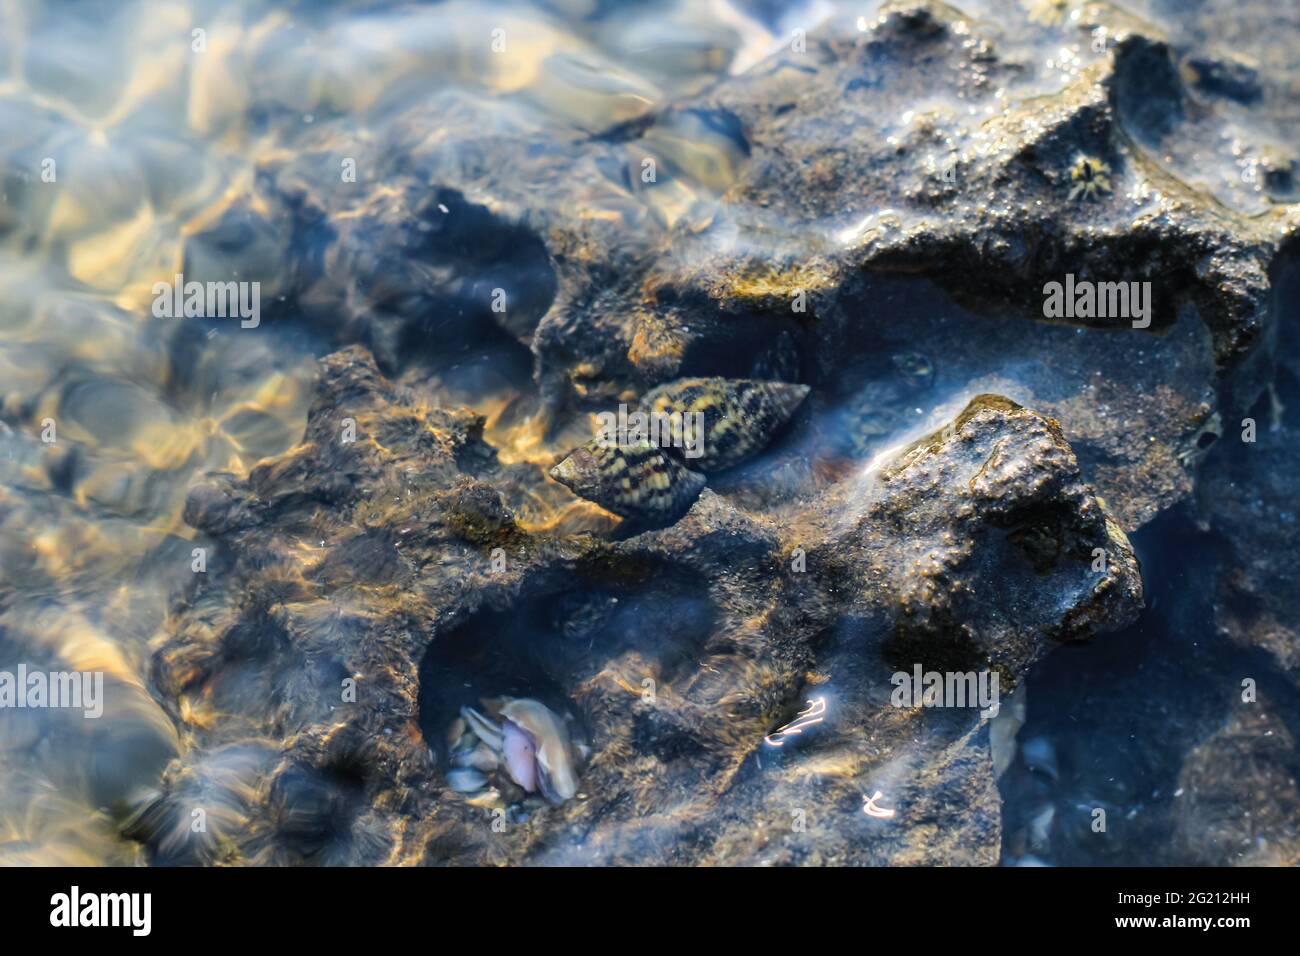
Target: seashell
[(490, 798), (533, 744), (634, 480), (466, 780), (456, 731), (480, 757), (519, 751), (740, 415), (556, 775)]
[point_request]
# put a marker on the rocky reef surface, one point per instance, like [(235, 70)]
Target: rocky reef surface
[(873, 210), (923, 142), (875, 215), (681, 649)]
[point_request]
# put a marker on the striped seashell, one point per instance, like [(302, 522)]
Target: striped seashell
[(741, 415), (634, 480)]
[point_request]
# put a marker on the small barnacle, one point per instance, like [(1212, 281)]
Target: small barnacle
[(1090, 176)]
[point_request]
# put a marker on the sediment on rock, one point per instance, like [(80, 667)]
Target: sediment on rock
[(678, 650)]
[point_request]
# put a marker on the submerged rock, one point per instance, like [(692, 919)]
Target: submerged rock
[(953, 456), (921, 143), (1247, 499), (376, 610)]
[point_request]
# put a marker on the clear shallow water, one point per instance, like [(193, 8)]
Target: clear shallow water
[(151, 120), (151, 144)]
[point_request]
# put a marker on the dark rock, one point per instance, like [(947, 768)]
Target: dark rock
[(678, 650), (830, 182), (1224, 77)]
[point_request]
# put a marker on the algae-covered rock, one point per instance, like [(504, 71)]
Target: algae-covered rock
[(919, 143), (318, 669), (987, 299)]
